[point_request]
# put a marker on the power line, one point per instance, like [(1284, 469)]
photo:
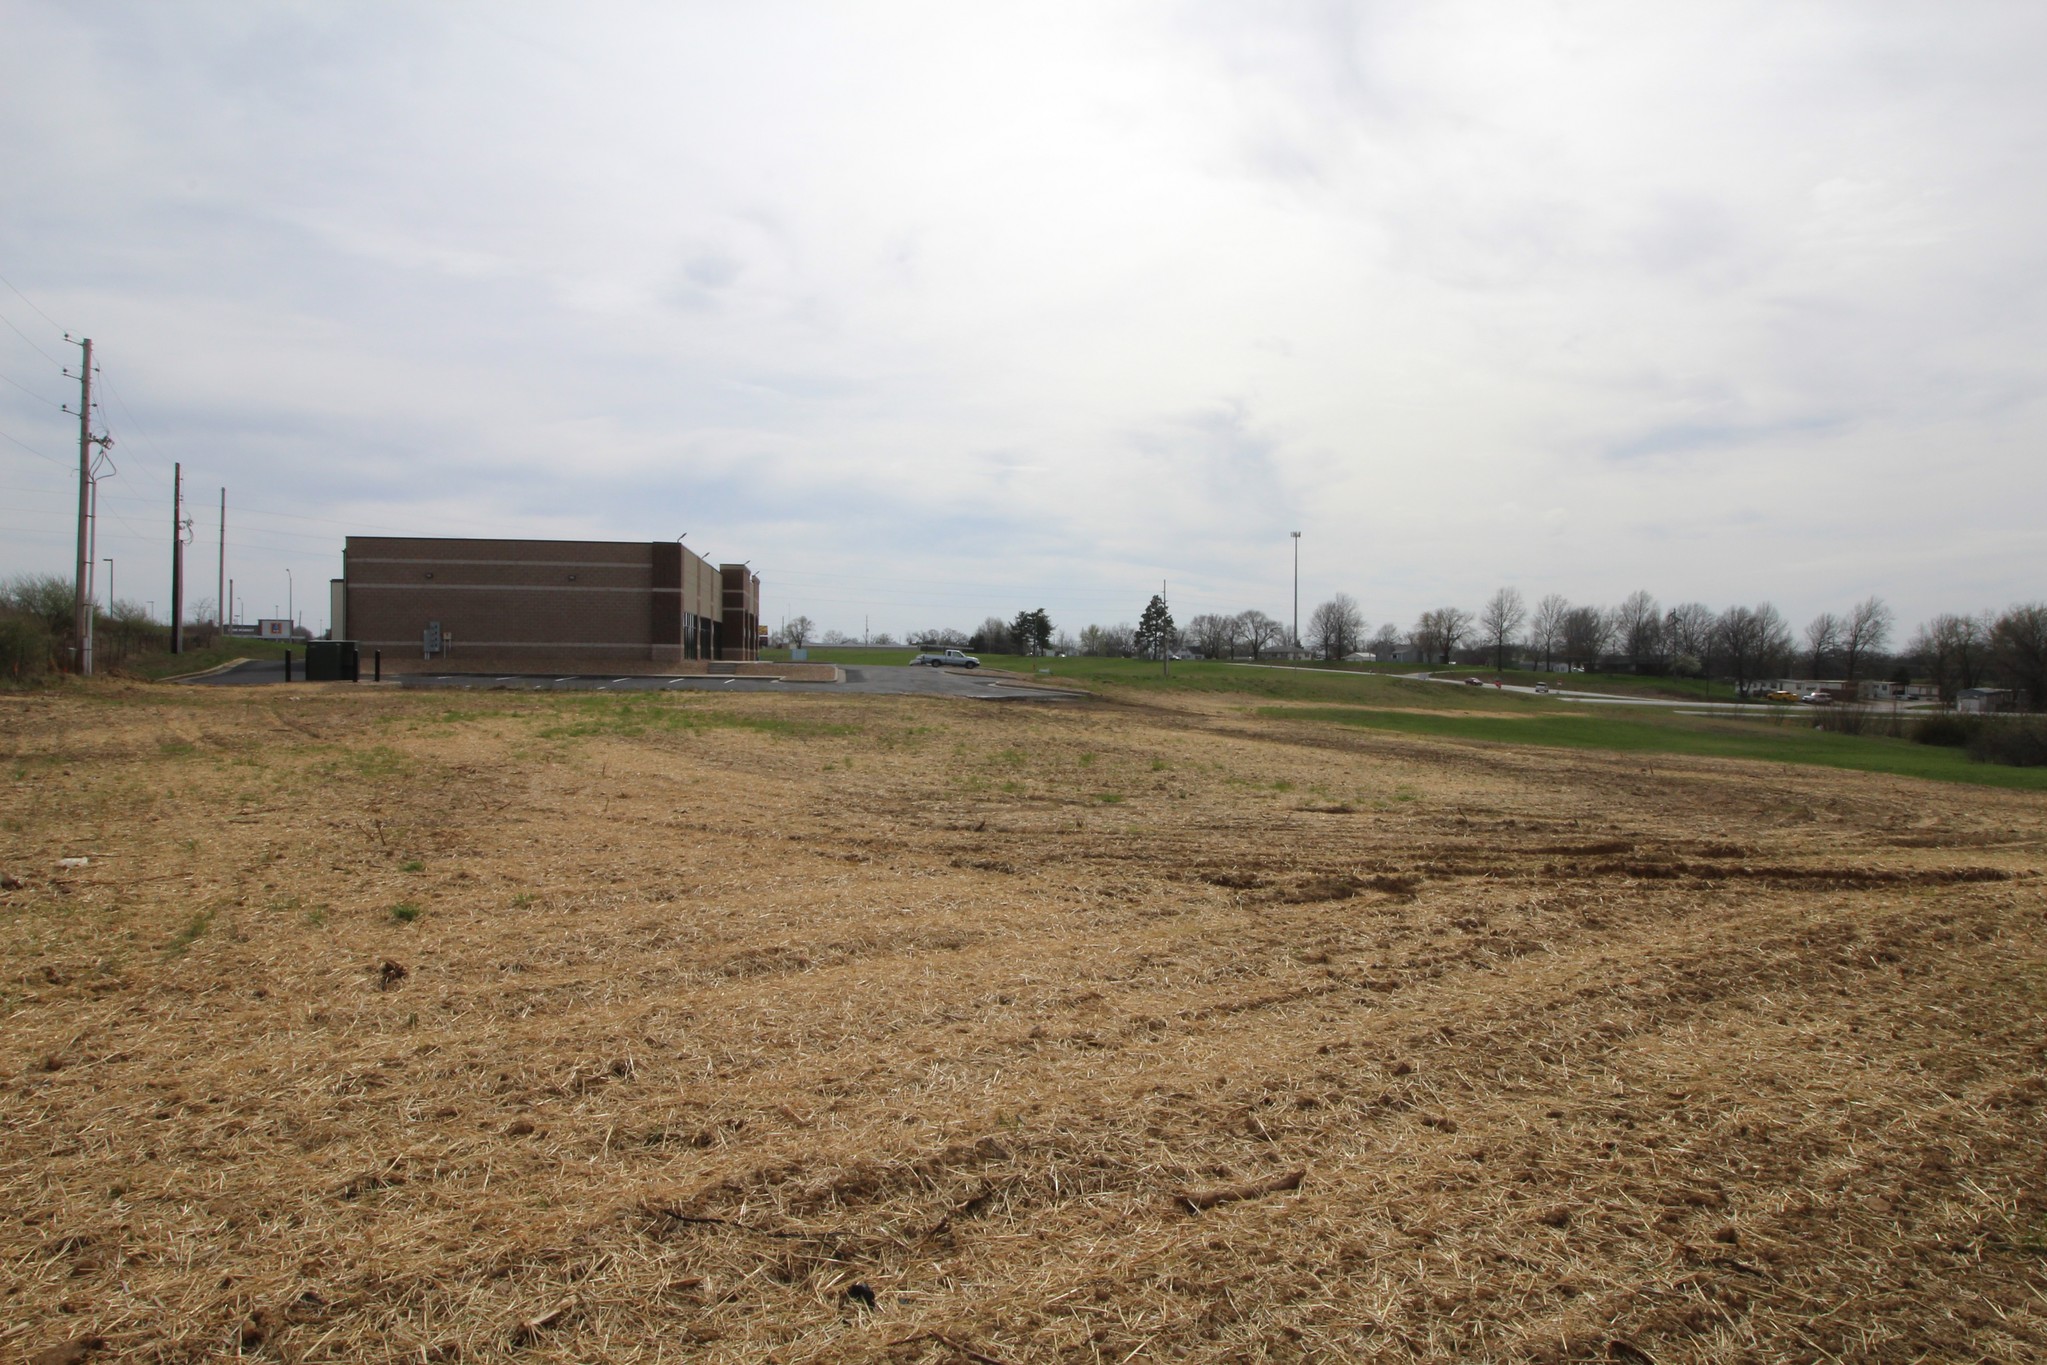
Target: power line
[(148, 446), (31, 303), (37, 453), (31, 341), (31, 392)]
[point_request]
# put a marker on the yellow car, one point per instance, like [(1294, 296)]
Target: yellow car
[(1781, 695)]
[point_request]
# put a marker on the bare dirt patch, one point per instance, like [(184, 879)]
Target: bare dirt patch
[(513, 1027)]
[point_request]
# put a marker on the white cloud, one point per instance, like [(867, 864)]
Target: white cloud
[(1728, 302)]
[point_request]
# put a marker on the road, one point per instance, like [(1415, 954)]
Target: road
[(1691, 707), (866, 679)]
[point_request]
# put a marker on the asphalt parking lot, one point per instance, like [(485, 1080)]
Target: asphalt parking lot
[(875, 679)]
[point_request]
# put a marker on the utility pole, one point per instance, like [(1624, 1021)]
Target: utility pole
[(1166, 647), (1297, 592), (220, 592), (81, 624), (177, 559)]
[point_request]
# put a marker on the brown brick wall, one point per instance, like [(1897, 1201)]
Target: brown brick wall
[(622, 599)]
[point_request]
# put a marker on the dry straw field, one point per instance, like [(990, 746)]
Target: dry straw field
[(383, 1025)]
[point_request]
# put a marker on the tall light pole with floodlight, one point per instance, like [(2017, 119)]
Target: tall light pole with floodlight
[(1297, 592)]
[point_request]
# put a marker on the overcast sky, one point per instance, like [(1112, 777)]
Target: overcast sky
[(936, 311)]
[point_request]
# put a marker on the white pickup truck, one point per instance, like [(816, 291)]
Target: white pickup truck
[(951, 658)]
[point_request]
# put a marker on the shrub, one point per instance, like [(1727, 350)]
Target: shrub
[(2014, 743), (1949, 731), (26, 649), (1854, 720), (45, 596)]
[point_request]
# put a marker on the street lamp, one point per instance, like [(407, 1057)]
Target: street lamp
[(1297, 592)]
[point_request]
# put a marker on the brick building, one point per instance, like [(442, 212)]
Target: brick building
[(549, 602)]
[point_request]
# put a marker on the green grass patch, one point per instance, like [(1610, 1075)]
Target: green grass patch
[(405, 912), (376, 763), (1771, 738), (195, 929), (633, 717)]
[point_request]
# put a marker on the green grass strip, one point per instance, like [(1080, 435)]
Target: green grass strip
[(1769, 741)]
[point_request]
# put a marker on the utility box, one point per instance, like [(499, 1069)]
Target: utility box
[(331, 661)]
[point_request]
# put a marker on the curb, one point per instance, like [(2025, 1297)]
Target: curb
[(207, 672)]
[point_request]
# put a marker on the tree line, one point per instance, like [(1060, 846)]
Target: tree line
[(1742, 644)]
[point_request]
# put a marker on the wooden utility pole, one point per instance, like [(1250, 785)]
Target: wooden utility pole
[(177, 559), (81, 625)]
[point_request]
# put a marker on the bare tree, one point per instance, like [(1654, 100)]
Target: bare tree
[(1735, 643), (797, 631), (1257, 630), (1438, 633), (1638, 626), (1775, 635), (1951, 649), (1337, 626), (1864, 634), (1688, 633), (1752, 642), (1547, 629), (2018, 644), (1385, 645), (1588, 634), (1822, 641), (992, 637), (1214, 635), (1501, 616)]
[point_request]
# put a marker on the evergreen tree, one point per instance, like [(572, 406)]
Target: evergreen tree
[(1032, 631), (1155, 630)]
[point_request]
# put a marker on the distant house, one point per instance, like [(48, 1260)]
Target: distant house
[(1983, 700)]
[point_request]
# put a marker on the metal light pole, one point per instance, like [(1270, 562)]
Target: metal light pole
[(290, 604), (1297, 592)]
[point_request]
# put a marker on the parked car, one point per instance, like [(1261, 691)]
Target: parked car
[(951, 658), (1818, 698), (1542, 687), (1781, 694)]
